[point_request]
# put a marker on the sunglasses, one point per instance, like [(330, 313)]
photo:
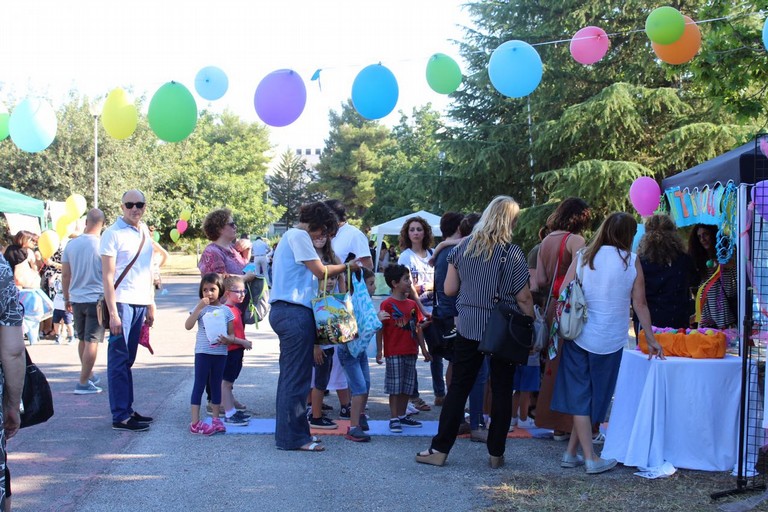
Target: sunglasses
[(129, 205), (239, 292)]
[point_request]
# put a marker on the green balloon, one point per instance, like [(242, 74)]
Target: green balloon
[(5, 117), (665, 25), (156, 236), (443, 74), (172, 112)]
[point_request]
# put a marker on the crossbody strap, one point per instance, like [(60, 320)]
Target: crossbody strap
[(502, 261), (125, 271), (557, 268)]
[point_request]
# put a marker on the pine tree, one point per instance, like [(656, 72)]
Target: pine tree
[(289, 185)]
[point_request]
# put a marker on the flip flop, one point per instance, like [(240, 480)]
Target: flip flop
[(312, 447), (316, 439)]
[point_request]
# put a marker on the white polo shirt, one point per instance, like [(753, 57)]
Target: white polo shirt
[(121, 241)]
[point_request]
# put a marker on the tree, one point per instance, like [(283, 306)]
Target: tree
[(289, 185), (356, 153)]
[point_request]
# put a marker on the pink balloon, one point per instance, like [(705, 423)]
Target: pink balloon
[(645, 195), (589, 45), (181, 226)]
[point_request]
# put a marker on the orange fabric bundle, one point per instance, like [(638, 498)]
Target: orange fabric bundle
[(696, 344)]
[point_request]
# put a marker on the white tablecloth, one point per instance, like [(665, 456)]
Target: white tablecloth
[(680, 410)]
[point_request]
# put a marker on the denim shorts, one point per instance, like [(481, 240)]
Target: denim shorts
[(527, 378), (322, 372), (356, 370)]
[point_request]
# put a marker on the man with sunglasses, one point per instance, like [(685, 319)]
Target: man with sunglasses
[(131, 304)]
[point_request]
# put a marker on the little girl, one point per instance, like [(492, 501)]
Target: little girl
[(210, 355)]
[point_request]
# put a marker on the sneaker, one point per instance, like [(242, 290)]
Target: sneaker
[(599, 466), (559, 435), (526, 423), (345, 411), (96, 379), (57, 340), (201, 428), (218, 426), (87, 389), (598, 438), (513, 423), (130, 426), (235, 421), (357, 434), (242, 415), (395, 426), (323, 423), (142, 419), (571, 461), (364, 423), (407, 421), (411, 409), (327, 407), (70, 340)]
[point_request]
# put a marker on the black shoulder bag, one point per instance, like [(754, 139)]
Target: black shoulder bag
[(508, 334), (36, 397)]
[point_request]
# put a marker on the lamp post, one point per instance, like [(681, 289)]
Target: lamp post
[(95, 110)]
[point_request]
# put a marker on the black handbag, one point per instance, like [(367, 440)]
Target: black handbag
[(36, 397), (508, 334)]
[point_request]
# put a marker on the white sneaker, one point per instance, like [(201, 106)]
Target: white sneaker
[(411, 409), (527, 423), (598, 438)]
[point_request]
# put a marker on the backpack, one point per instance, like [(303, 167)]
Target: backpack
[(258, 307)]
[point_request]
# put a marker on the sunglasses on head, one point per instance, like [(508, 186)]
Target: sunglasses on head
[(129, 205)]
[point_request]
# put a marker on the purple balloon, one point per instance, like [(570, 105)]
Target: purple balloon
[(280, 97), (645, 195), (760, 198)]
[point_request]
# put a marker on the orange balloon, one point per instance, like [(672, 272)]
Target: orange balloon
[(684, 49)]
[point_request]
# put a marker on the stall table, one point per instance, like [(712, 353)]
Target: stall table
[(679, 410)]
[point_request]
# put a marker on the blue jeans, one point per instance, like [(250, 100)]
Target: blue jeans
[(476, 397), (356, 369), (208, 369), (295, 328), (121, 353)]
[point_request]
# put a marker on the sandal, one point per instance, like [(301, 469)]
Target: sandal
[(316, 439), (432, 457), (312, 447), (421, 405)]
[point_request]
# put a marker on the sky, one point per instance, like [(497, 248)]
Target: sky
[(48, 47)]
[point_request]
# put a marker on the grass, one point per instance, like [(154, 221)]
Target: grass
[(180, 263), (683, 491)]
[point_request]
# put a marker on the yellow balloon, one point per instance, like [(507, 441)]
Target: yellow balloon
[(48, 243), (175, 235), (65, 225), (119, 115), (75, 206), (185, 214)]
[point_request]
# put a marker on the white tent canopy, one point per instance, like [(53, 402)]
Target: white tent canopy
[(393, 227)]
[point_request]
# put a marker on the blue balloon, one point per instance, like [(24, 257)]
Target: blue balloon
[(638, 236), (765, 34), (375, 92), (515, 69), (211, 83), (33, 125)]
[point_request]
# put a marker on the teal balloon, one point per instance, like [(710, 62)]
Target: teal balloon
[(211, 83), (665, 25), (375, 92), (172, 112), (443, 74), (765, 34), (32, 125), (5, 117), (515, 69)]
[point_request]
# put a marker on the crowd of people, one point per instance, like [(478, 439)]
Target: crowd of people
[(441, 297)]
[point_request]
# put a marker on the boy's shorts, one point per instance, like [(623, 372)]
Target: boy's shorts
[(400, 375), (527, 378), (234, 364), (61, 314), (322, 372)]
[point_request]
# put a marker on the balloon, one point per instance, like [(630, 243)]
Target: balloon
[(589, 45), (181, 226), (172, 112), (664, 25), (443, 74), (211, 83), (375, 92), (645, 195), (765, 34), (5, 117), (75, 206), (33, 125), (65, 225), (185, 214), (48, 243), (682, 50), (175, 235), (156, 236), (760, 198), (280, 97), (638, 237), (119, 116), (515, 69)]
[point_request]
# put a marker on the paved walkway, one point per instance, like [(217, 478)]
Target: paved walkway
[(76, 462)]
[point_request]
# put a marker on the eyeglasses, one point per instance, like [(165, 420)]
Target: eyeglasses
[(231, 224), (129, 205), (239, 292)]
